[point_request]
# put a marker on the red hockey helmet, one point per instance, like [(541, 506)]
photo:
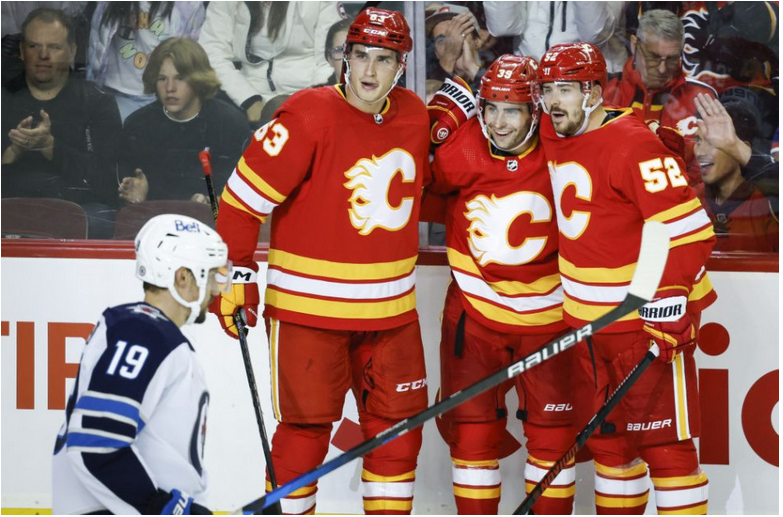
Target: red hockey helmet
[(509, 79), (381, 28), (581, 62)]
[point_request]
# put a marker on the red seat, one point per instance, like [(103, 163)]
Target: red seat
[(132, 217), (42, 218)]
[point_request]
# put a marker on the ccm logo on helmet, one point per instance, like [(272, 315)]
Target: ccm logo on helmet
[(376, 32), (186, 227), (646, 426), (412, 386)]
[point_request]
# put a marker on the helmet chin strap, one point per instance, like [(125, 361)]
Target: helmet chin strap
[(195, 307), (397, 76)]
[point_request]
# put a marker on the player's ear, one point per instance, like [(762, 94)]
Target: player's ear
[(596, 92), (182, 277)]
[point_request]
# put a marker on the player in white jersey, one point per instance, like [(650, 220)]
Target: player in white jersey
[(135, 424)]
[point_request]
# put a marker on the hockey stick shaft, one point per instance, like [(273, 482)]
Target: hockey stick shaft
[(588, 430), (543, 354), (239, 321), (649, 270)]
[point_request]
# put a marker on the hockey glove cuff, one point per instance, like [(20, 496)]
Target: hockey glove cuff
[(244, 294), (667, 321), (451, 106)]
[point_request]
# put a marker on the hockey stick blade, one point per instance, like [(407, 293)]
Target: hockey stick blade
[(588, 430), (653, 253)]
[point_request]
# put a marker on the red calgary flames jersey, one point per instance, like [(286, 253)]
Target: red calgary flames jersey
[(345, 186), (501, 233), (607, 183)]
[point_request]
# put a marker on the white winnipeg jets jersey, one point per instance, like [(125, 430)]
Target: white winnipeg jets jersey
[(136, 420)]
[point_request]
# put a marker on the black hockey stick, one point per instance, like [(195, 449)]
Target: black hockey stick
[(588, 430), (239, 321), (649, 269)]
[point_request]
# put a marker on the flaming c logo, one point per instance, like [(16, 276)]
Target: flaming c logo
[(369, 180)]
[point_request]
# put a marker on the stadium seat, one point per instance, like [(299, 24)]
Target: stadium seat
[(42, 218), (132, 217)]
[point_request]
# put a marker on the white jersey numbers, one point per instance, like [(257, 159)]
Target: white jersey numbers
[(132, 361), (659, 174), (274, 134), (369, 181), (565, 175), (490, 220)]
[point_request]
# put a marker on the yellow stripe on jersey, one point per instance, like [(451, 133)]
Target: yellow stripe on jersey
[(388, 504), (620, 501), (559, 493), (226, 197), (509, 317), (507, 287), (597, 275), (478, 463), (680, 398), (680, 481), (621, 472), (375, 478), (586, 312), (676, 211), (693, 510), (702, 235), (299, 492), (700, 289), (344, 310), (254, 179), (477, 493), (340, 270)]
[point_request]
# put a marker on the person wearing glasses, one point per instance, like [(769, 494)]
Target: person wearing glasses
[(278, 46), (335, 39), (654, 85)]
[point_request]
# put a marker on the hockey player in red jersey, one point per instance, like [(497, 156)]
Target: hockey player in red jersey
[(344, 167), (505, 300), (609, 175)]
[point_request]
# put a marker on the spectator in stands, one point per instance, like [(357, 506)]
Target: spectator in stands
[(335, 39), (654, 85), (122, 37), (279, 46), (456, 39), (60, 133), (183, 121), (538, 26), (745, 219)]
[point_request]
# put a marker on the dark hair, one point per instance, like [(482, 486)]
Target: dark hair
[(277, 13), (342, 25), (191, 62), (49, 15), (746, 123), (119, 12)]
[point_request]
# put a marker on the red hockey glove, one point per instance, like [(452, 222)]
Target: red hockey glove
[(671, 138), (244, 293), (669, 324), (451, 106)]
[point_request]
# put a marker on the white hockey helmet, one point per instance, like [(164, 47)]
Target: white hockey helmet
[(168, 242)]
